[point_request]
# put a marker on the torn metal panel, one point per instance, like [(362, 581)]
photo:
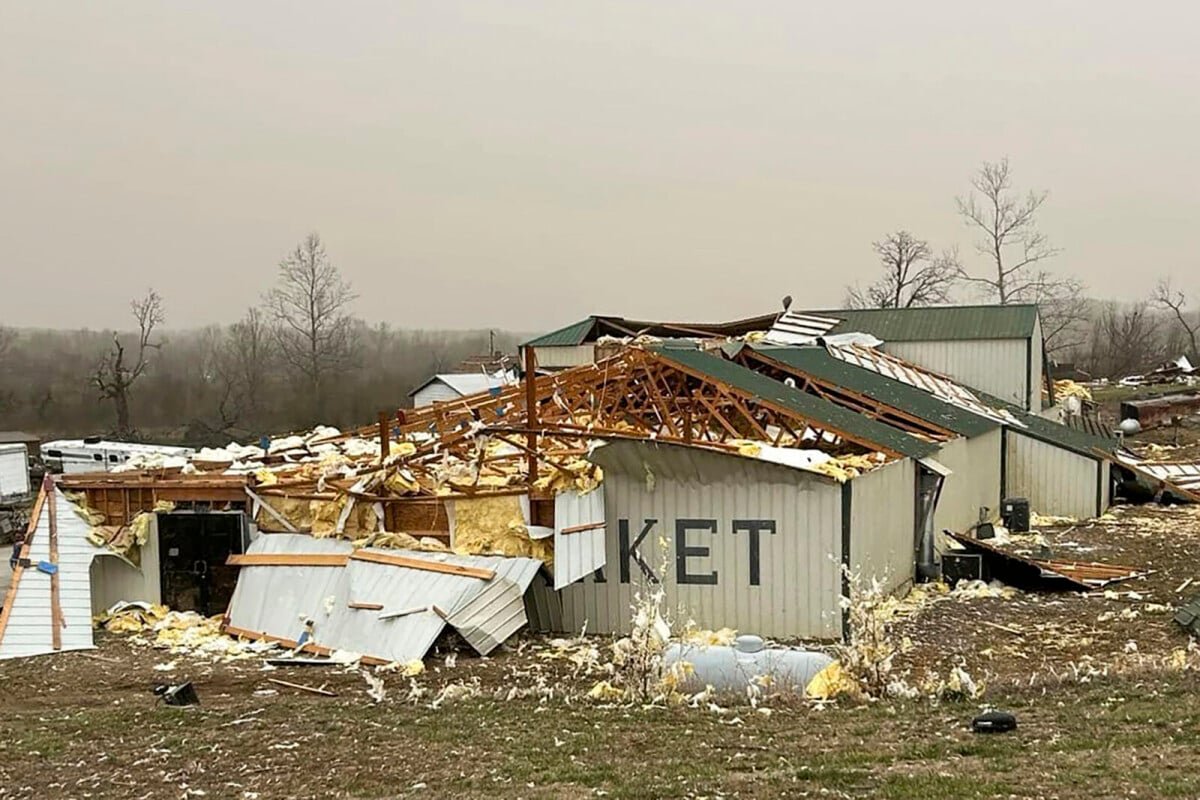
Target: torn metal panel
[(375, 608), (28, 628), (277, 599), (1047, 574), (794, 327), (491, 616), (937, 385), (1181, 479), (579, 533)]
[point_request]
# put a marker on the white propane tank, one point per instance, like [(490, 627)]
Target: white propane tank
[(733, 668)]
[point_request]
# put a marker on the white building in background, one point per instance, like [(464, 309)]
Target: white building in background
[(453, 385), (14, 470)]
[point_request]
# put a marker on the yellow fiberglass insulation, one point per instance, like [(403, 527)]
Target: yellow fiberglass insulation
[(360, 520), (297, 512), (496, 526)]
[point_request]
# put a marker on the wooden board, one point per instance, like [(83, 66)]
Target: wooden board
[(55, 604), (420, 563), (287, 560), (366, 606), (588, 526), (19, 570)]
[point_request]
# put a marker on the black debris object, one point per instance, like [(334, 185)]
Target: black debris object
[(994, 722), (183, 694)]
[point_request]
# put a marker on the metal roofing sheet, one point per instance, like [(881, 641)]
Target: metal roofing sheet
[(939, 386), (574, 334), (795, 327), (578, 553), (936, 323), (818, 363), (277, 600), (821, 412)]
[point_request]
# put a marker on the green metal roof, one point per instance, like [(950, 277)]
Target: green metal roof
[(817, 362), (1049, 431), (818, 410), (936, 323), (574, 334)]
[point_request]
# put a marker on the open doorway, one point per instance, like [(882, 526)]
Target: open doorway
[(193, 549)]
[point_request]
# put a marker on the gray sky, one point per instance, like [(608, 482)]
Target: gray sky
[(521, 164)]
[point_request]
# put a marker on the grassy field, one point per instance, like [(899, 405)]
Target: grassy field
[(78, 727)]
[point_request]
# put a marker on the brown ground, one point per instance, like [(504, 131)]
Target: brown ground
[(1097, 721)]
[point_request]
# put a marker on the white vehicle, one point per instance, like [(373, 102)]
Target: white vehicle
[(93, 454)]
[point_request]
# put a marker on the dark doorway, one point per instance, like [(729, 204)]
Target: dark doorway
[(192, 550)]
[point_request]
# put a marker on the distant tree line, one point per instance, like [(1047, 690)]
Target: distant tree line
[(295, 359)]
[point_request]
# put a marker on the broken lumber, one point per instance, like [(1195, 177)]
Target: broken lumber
[(301, 687), (420, 563)]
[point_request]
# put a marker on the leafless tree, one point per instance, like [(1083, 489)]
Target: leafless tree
[(114, 377), (1064, 310), (912, 275), (1015, 249), (1125, 340), (313, 327), (7, 337), (1010, 239), (1171, 300)]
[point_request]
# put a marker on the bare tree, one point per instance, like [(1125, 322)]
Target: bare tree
[(114, 377), (1125, 340), (1064, 311), (1009, 237), (1170, 299), (912, 275), (7, 337), (1015, 249), (314, 330)]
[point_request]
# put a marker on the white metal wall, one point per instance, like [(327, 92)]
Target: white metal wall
[(565, 356), (995, 366), (1055, 480), (883, 525), (1035, 369), (14, 470), (114, 580), (434, 391), (795, 591), (29, 626), (975, 482)]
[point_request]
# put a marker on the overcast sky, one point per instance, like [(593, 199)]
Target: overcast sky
[(521, 164)]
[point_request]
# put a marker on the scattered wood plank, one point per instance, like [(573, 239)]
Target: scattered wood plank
[(301, 687), (1184, 585), (287, 560), (105, 659), (1005, 628), (18, 570), (587, 526), (55, 598), (280, 518), (420, 563), (367, 606)]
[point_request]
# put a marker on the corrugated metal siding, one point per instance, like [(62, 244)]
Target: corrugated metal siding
[(883, 525), (29, 625), (1056, 481), (995, 366), (1035, 369), (798, 567), (114, 580), (436, 391), (975, 482), (277, 600), (1105, 486), (580, 553), (14, 470), (565, 356), (939, 323)]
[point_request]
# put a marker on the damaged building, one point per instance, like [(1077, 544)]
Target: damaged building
[(743, 469)]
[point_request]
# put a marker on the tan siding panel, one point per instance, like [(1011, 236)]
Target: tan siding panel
[(798, 578), (995, 366), (973, 484), (1056, 481), (573, 356), (883, 525)]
